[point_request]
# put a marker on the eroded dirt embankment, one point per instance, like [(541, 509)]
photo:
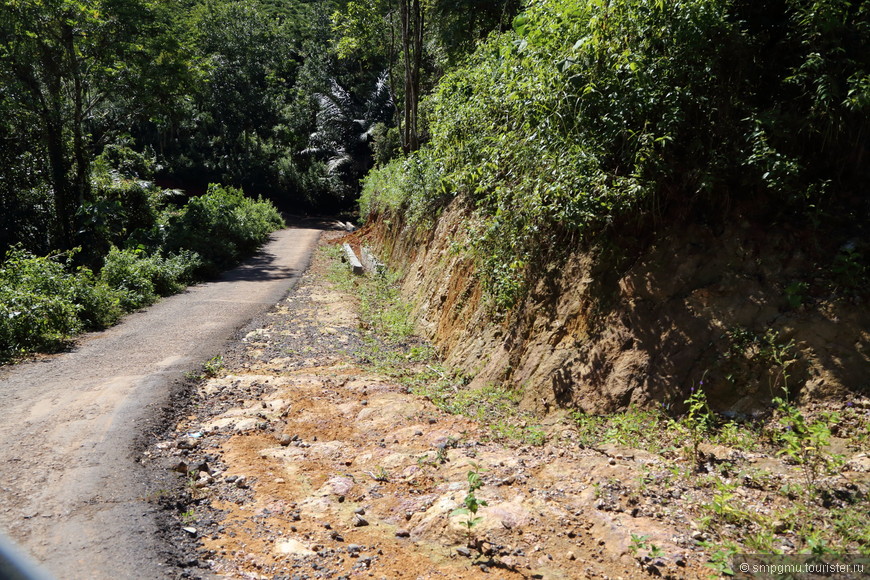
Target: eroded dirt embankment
[(606, 328)]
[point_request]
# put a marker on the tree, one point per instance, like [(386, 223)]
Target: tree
[(60, 60), (410, 36), (412, 20), (393, 34)]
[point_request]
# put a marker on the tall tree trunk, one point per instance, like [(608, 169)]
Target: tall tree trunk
[(418, 70), (81, 178), (411, 16), (50, 94)]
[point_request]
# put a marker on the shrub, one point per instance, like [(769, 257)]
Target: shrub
[(122, 204), (222, 227), (43, 303), (140, 277), (174, 273), (100, 304), (131, 273), (410, 187)]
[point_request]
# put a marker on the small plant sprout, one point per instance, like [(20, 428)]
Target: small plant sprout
[(720, 560), (472, 505), (698, 420), (213, 366), (440, 458), (380, 475), (781, 355), (638, 542)]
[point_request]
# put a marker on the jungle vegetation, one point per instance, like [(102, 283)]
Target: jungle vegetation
[(131, 129)]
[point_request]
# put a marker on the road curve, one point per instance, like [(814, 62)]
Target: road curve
[(71, 493)]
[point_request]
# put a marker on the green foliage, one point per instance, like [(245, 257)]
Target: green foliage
[(384, 316), (36, 309), (720, 560), (60, 62), (221, 226), (380, 475), (638, 542), (234, 120), (125, 162), (472, 502), (770, 352), (386, 191), (795, 294), (805, 442), (849, 269), (213, 366), (140, 277), (725, 509), (122, 208), (589, 112), (43, 302), (638, 428), (360, 31), (383, 309), (697, 422), (46, 300), (342, 131), (99, 304), (490, 405), (386, 143)]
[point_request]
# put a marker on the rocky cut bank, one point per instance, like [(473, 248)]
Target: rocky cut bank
[(744, 311)]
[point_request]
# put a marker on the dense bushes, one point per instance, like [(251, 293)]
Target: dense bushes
[(591, 111), (139, 278), (46, 300), (42, 302), (222, 227)]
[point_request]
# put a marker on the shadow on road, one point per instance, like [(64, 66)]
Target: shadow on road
[(259, 267)]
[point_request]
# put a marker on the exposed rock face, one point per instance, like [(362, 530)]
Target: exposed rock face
[(604, 329)]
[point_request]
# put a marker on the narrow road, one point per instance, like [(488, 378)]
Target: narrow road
[(71, 493)]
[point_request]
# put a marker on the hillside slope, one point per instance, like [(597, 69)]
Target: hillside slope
[(619, 200), (603, 331)]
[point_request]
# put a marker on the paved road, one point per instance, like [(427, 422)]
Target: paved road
[(71, 493)]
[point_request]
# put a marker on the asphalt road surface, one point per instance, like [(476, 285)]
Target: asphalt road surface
[(71, 493)]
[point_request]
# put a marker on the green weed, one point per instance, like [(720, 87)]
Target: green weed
[(650, 430), (796, 294), (720, 559), (472, 503), (221, 227), (638, 543), (805, 441), (380, 475), (44, 301), (697, 422), (213, 366), (141, 277)]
